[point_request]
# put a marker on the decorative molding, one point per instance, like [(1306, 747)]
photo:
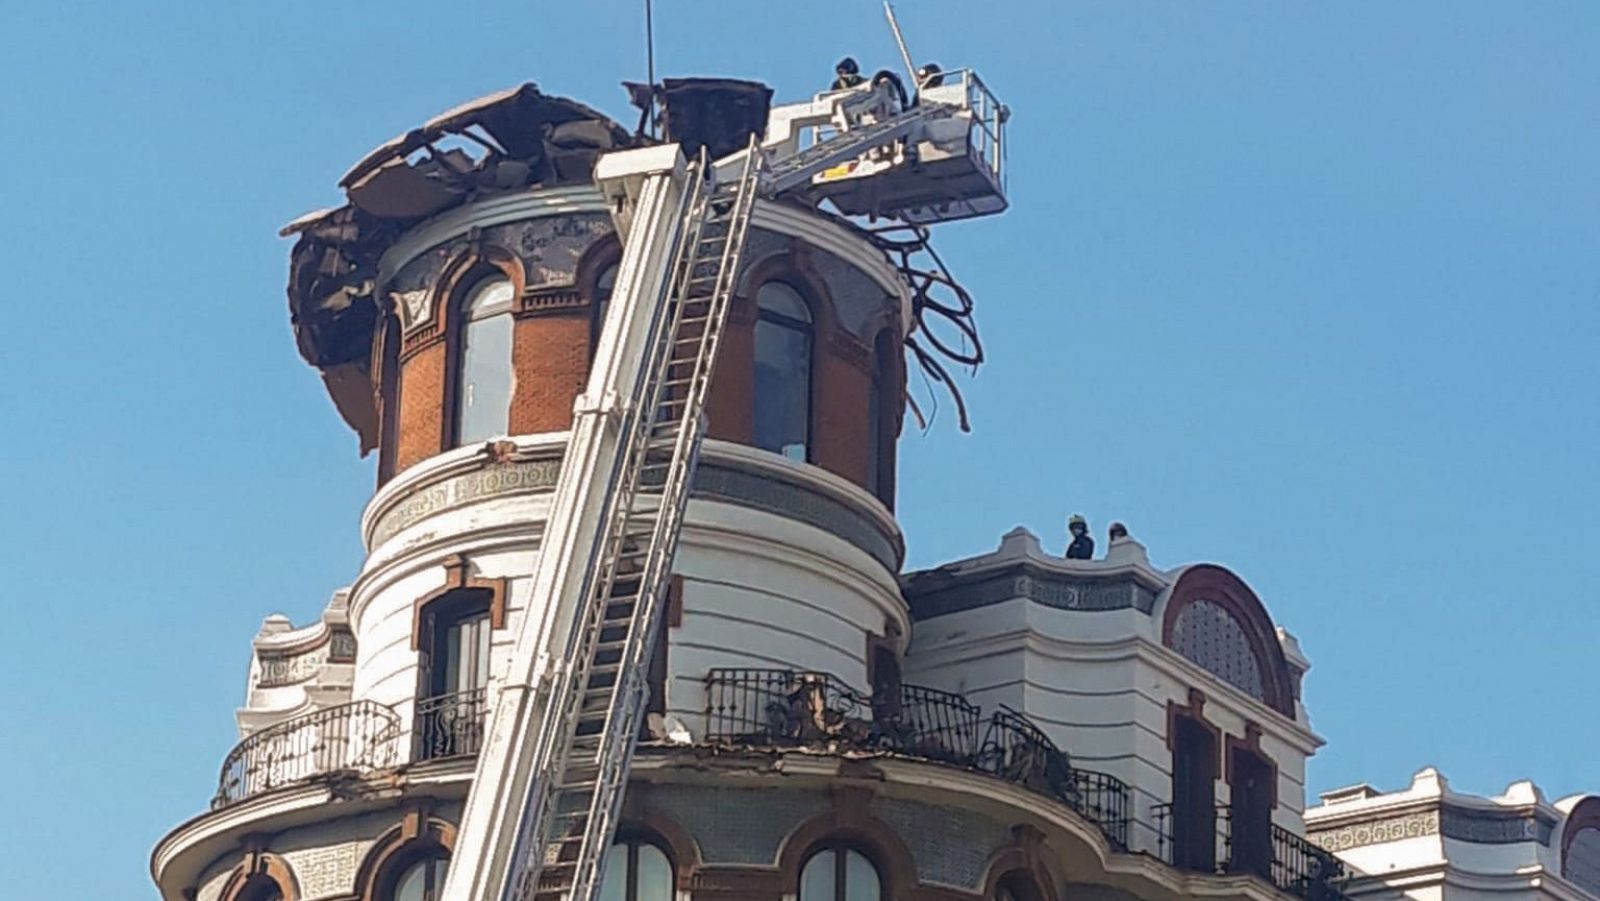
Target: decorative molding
[(458, 577), (1490, 827), (716, 481), (549, 300), (1027, 580), (280, 669), (1466, 824), (327, 872), (1376, 832), (493, 480)]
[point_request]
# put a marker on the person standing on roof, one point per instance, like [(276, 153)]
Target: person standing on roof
[(1082, 546), (847, 73)]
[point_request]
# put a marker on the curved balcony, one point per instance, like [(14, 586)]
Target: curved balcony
[(784, 708), (354, 738)]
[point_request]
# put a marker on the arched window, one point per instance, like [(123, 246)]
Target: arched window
[(1018, 887), (1209, 635), (840, 873), (388, 397), (418, 878), (483, 387), (882, 412), (605, 284), (783, 371), (260, 888), (636, 870)]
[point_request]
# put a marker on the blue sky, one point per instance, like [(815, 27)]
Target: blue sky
[(1311, 290)]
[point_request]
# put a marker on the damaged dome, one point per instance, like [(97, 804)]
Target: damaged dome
[(508, 141)]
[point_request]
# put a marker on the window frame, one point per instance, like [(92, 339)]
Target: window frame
[(883, 389), (841, 887), (806, 328), (387, 885), (460, 321), (633, 840), (600, 299)]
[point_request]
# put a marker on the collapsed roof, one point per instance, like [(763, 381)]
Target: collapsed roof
[(507, 141)]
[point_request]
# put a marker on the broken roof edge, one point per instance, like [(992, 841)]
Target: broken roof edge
[(473, 112)]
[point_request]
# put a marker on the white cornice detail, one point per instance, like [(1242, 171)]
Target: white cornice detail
[(813, 228)]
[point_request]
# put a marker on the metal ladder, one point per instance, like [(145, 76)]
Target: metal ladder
[(593, 734), (579, 739)]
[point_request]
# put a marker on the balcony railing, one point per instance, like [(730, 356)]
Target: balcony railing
[(449, 725), (357, 737), (787, 708), (1288, 861)]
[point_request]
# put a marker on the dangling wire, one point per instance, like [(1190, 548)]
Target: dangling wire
[(934, 290)]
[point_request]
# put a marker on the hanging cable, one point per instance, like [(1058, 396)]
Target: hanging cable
[(934, 291)]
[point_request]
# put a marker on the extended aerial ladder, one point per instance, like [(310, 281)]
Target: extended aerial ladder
[(550, 777)]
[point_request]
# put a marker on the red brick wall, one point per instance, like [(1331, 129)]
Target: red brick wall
[(421, 431), (550, 354)]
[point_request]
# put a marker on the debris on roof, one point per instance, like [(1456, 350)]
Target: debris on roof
[(507, 141)]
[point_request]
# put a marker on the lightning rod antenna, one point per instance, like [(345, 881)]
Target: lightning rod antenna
[(905, 55), (650, 62)]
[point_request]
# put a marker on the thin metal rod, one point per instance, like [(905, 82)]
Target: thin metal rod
[(905, 55), (650, 62)]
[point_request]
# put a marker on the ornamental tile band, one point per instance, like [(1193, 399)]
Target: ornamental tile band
[(493, 480), (1377, 832), (1492, 828), (712, 481), (1056, 590)]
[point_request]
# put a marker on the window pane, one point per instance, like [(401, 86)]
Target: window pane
[(490, 296), (861, 881), (655, 874), (466, 653), (413, 885), (779, 298), (816, 880), (485, 397), (604, 286), (614, 878), (782, 388)]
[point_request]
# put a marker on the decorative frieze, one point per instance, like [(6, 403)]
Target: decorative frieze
[(326, 872), (1486, 827), (930, 598), (288, 669), (762, 491), (493, 480), (1494, 827), (1377, 832)]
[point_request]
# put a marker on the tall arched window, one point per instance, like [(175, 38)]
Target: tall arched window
[(840, 873), (483, 387), (882, 412), (636, 870), (419, 879), (783, 371), (388, 397), (604, 285)]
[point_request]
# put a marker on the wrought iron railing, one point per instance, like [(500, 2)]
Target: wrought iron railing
[(791, 708), (449, 725), (1288, 861), (357, 737)]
